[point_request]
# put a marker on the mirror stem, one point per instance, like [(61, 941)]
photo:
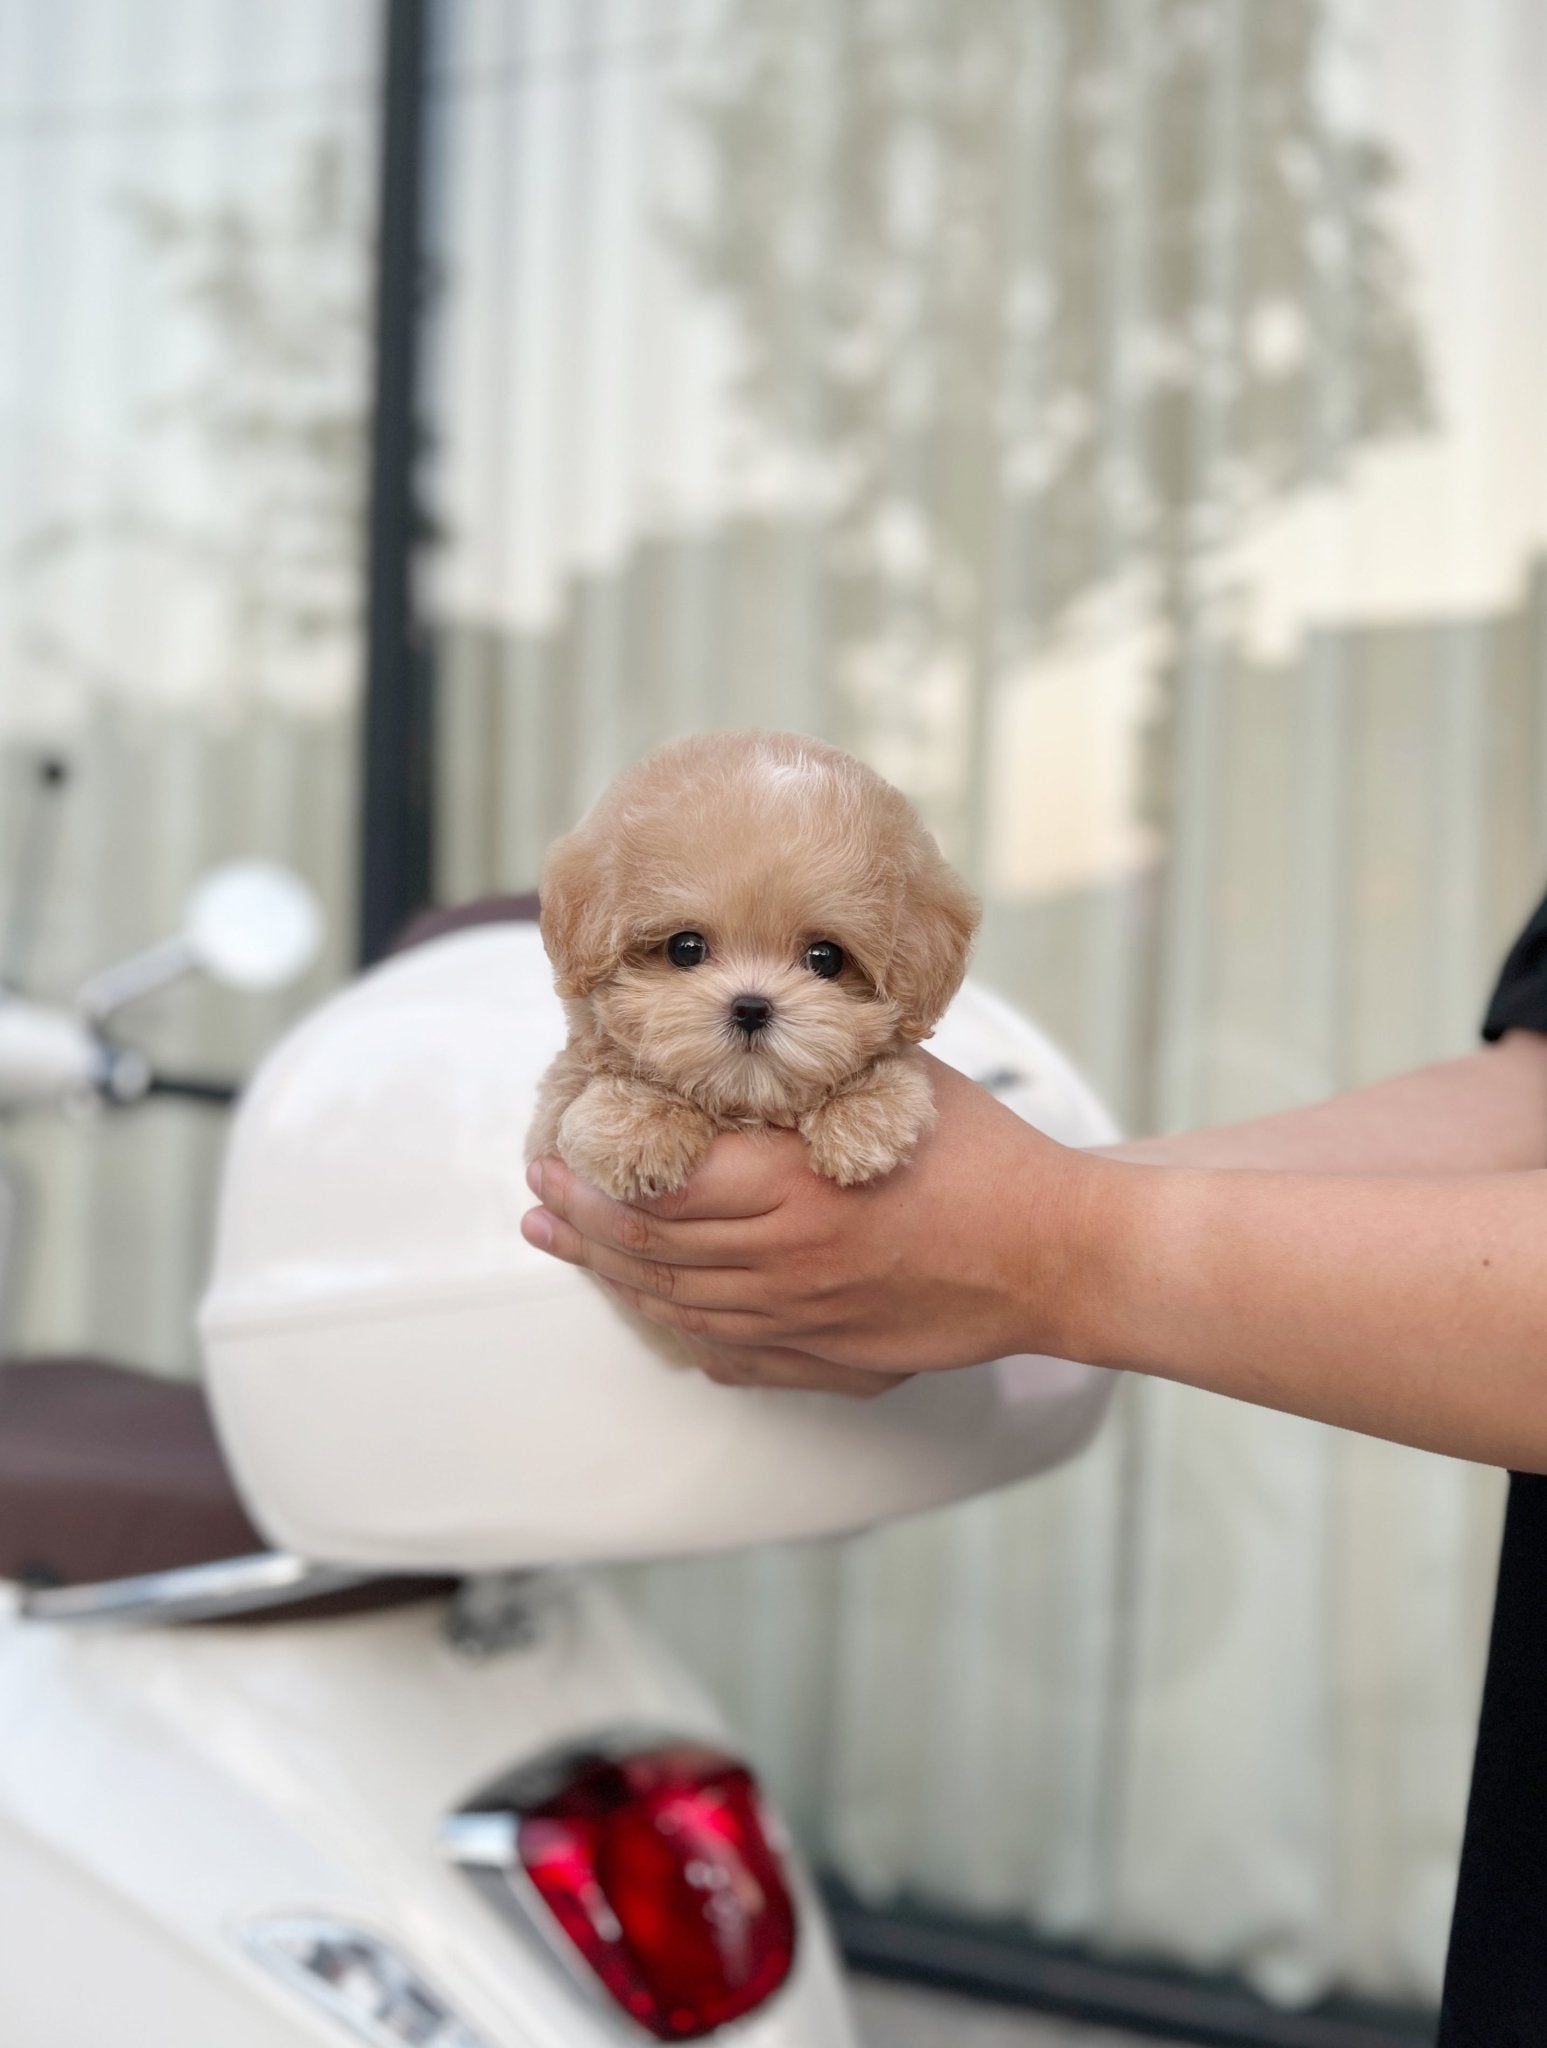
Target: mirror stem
[(143, 974)]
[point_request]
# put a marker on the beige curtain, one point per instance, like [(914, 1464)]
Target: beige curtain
[(1122, 421)]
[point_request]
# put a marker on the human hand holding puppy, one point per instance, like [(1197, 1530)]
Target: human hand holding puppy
[(776, 1276)]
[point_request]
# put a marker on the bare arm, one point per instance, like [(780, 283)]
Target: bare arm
[(1406, 1311), (1485, 1113), (1387, 1274), (1411, 1308)]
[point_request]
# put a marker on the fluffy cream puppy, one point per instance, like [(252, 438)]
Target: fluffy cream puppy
[(749, 928)]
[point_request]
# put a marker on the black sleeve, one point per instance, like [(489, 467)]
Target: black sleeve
[(1496, 1972), (1520, 1000)]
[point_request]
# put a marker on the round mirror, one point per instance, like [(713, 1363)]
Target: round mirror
[(253, 925)]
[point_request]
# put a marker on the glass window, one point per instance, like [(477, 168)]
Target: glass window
[(185, 227)]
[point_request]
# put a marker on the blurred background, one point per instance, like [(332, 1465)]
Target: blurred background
[(1121, 422)]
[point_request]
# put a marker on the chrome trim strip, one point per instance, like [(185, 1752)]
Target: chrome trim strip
[(200, 1592), (480, 1841)]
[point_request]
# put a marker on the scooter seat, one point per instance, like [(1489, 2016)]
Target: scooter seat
[(107, 1473)]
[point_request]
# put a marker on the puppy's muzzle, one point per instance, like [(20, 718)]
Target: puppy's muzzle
[(751, 1014)]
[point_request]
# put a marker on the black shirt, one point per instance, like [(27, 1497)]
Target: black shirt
[(1496, 1973), (1520, 1000)]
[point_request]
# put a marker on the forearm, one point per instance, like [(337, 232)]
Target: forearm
[(1414, 1309), (1486, 1113)]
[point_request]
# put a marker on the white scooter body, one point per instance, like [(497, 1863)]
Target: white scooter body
[(164, 1793), (176, 1801)]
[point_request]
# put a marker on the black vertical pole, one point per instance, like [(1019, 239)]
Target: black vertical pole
[(395, 878)]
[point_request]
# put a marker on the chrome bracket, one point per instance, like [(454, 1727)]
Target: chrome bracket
[(200, 1592), (493, 1612)]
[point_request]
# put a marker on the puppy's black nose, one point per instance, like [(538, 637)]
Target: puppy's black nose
[(750, 1013)]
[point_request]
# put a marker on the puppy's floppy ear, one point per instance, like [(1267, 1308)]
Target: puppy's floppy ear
[(577, 919), (935, 928)]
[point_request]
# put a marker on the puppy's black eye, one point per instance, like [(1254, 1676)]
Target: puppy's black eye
[(687, 949), (824, 958)]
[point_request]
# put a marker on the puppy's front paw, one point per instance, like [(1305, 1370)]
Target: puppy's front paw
[(863, 1133), (632, 1142)]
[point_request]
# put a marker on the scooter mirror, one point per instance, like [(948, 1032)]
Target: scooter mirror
[(253, 925)]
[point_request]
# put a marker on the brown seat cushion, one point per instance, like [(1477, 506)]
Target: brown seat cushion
[(461, 917), (107, 1473)]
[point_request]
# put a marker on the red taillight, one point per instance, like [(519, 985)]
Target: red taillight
[(659, 1868)]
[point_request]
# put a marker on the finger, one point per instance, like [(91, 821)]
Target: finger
[(748, 1365), (744, 1173), (712, 1325), (688, 1286), (636, 1230)]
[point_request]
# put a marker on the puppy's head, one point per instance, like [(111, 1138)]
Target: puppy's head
[(750, 918)]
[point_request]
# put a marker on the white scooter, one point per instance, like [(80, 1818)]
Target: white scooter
[(396, 1769)]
